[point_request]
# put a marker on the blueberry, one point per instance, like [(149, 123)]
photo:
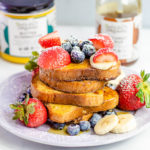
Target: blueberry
[(88, 50), (85, 125), (74, 41), (95, 118), (85, 42), (73, 129), (55, 125), (76, 48), (77, 56), (22, 97), (108, 112), (29, 92), (67, 46), (58, 126)]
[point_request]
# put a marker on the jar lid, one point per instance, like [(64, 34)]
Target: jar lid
[(24, 6)]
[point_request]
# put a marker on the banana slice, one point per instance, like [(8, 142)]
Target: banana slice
[(106, 124), (126, 123)]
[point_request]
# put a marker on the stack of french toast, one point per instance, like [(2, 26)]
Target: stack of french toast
[(74, 92)]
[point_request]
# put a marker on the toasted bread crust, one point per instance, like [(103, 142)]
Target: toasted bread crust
[(46, 94), (78, 72), (77, 87), (69, 113), (111, 100)]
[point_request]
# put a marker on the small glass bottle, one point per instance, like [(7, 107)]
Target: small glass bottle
[(121, 19)]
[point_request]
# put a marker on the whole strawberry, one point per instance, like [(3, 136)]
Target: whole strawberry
[(31, 112), (134, 92)]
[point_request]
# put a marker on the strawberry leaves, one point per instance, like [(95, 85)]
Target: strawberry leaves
[(144, 89), (32, 64), (23, 110)]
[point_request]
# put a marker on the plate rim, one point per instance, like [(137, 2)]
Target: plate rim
[(30, 138)]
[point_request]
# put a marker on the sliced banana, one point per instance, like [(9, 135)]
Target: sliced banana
[(106, 124), (126, 123)]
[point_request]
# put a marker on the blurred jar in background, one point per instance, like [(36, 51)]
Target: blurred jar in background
[(121, 19), (22, 23)]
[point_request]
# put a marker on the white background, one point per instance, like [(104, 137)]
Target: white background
[(82, 12)]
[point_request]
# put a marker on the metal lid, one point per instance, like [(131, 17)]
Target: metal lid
[(24, 6)]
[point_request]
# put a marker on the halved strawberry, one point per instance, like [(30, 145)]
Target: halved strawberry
[(49, 40), (102, 41), (105, 55), (54, 57)]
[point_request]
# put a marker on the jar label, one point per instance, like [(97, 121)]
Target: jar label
[(19, 37), (124, 33)]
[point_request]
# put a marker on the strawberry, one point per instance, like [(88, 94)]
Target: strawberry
[(54, 57), (35, 71), (134, 92), (49, 40), (32, 63), (31, 112), (102, 41), (105, 55)]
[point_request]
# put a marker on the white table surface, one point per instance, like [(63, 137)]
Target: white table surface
[(141, 141)]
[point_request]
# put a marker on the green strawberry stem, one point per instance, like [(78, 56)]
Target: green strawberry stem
[(144, 89), (32, 63), (23, 110)]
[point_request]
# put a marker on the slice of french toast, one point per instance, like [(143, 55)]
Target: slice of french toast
[(66, 113), (44, 93), (77, 87), (78, 72)]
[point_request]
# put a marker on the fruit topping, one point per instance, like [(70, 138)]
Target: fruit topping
[(31, 112), (109, 112), (105, 55), (73, 129), (74, 41), (49, 40), (134, 92), (102, 41), (95, 118), (126, 123), (77, 56), (32, 63), (103, 59), (85, 42), (85, 125), (106, 124), (35, 71), (54, 57), (67, 46), (77, 48), (88, 50), (22, 97), (55, 125)]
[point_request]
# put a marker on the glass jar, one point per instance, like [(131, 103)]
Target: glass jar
[(121, 19), (23, 22)]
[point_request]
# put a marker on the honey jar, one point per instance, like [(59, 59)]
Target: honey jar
[(22, 23)]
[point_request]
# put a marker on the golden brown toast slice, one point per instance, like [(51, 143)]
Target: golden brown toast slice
[(66, 113), (78, 72), (77, 87), (44, 93)]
